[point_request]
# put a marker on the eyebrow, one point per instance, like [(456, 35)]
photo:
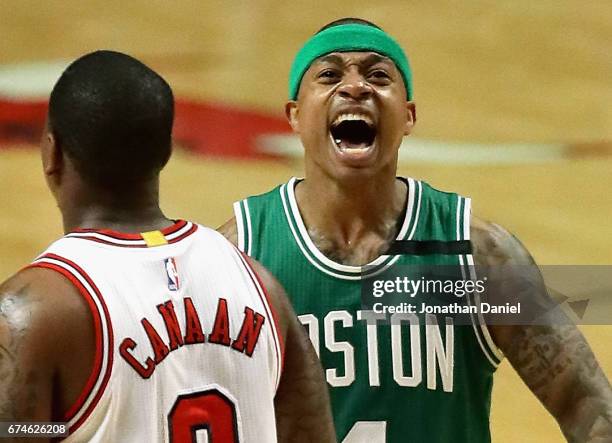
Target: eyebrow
[(370, 60), (330, 58)]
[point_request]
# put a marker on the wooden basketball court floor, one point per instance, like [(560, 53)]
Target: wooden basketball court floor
[(485, 71)]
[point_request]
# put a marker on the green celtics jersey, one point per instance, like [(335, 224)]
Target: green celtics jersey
[(407, 380)]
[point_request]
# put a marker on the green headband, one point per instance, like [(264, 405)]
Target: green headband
[(347, 38)]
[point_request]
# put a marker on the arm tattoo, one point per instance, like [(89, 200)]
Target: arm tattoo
[(8, 374), (15, 313), (551, 355), (557, 364), (545, 354)]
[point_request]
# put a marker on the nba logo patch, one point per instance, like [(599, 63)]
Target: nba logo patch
[(172, 273)]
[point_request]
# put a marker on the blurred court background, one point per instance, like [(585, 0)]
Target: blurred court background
[(513, 96)]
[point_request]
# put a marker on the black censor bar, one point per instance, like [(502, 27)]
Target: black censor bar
[(430, 247)]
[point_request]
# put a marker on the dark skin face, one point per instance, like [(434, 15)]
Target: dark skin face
[(364, 83)]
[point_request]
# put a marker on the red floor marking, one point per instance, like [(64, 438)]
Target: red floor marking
[(204, 128)]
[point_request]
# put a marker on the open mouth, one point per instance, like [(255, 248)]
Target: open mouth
[(353, 131)]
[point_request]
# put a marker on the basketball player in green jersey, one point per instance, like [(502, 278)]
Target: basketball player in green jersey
[(407, 380)]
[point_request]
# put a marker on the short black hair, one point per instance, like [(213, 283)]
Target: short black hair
[(348, 21), (112, 116)]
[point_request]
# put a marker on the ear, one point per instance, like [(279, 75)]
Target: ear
[(410, 117), (291, 112), (52, 155)]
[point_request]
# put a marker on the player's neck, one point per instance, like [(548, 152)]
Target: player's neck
[(350, 213), (132, 210)]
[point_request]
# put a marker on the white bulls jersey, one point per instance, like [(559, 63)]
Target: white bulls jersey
[(187, 344)]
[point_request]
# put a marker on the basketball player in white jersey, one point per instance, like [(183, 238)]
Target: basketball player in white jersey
[(133, 327)]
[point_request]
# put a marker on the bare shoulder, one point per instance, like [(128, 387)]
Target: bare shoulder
[(40, 304), (230, 230), (512, 275), (42, 319), (494, 245), (29, 292)]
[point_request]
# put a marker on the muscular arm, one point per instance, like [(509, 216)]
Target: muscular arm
[(551, 355), (41, 321), (303, 409), (17, 307)]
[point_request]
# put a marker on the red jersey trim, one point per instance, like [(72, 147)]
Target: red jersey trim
[(101, 371), (135, 236), (173, 234), (270, 311)]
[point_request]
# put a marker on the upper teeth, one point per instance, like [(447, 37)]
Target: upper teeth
[(344, 117)]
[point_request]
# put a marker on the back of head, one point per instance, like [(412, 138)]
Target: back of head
[(112, 116)]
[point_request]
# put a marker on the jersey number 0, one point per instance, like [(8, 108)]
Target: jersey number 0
[(210, 411)]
